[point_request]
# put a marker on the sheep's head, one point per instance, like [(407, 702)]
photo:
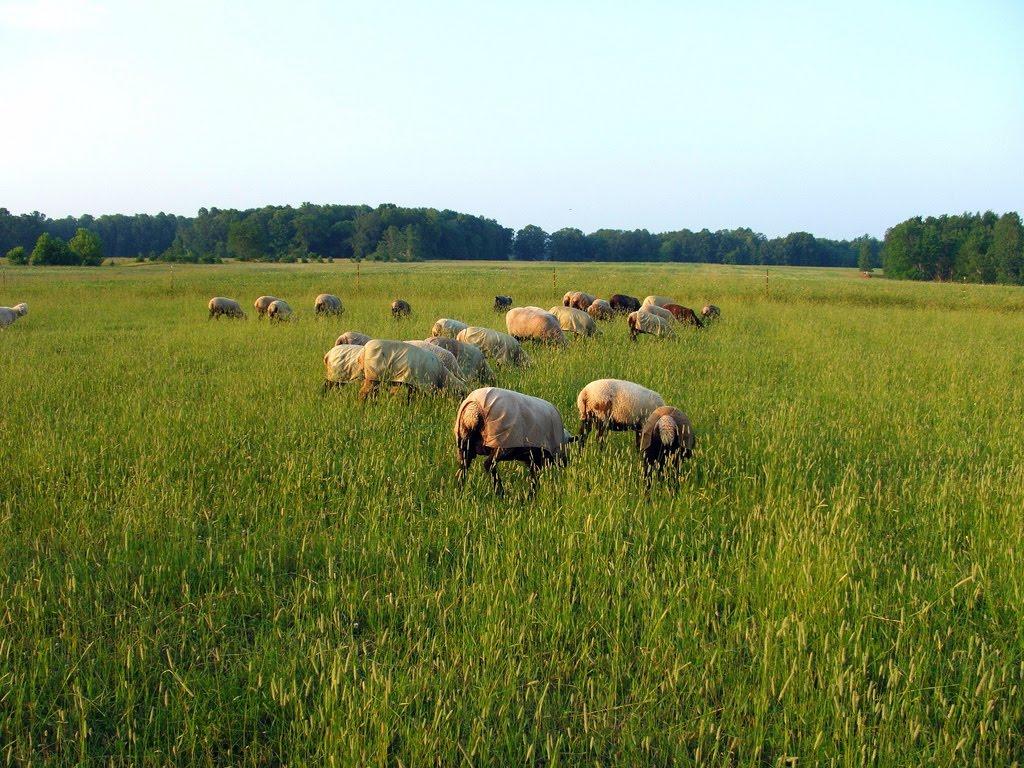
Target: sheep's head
[(667, 431), (20, 309)]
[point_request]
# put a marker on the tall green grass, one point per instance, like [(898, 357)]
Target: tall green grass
[(203, 561)]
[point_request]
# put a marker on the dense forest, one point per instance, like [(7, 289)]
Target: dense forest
[(977, 247)]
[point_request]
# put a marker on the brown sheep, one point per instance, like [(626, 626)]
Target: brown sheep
[(620, 302), (508, 426), (400, 308), (684, 315), (666, 438)]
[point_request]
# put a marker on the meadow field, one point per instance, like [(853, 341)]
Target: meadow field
[(204, 561)]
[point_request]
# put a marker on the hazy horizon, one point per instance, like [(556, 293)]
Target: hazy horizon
[(838, 121)]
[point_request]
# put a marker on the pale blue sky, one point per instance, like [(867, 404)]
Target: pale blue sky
[(835, 118)]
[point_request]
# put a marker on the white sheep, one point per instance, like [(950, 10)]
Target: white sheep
[(447, 327), (262, 304), (353, 337), (471, 360), (497, 346), (657, 301), (327, 304), (279, 310), (220, 306), (9, 314), (643, 321), (534, 324), (575, 321), (444, 356), (508, 426), (343, 363), (617, 405)]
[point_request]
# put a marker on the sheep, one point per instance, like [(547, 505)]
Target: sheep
[(657, 301), (684, 315), (400, 364), (9, 314), (400, 308), (262, 304), (448, 327), (601, 310), (534, 324), (471, 360), (661, 312), (343, 364), (643, 321), (508, 426), (666, 437), (497, 346), (575, 321), (501, 303), (222, 307), (352, 337), (710, 312), (279, 310), (620, 302), (578, 300), (617, 405), (444, 356), (327, 304)]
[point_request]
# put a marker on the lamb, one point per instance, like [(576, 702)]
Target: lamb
[(508, 426), (501, 303), (620, 302), (535, 324), (471, 360), (578, 300), (497, 346), (684, 315), (444, 356), (657, 301), (400, 308), (575, 321), (666, 438), (710, 312), (327, 304), (262, 304), (222, 307), (343, 364), (9, 314), (601, 310), (617, 405), (353, 337), (400, 364), (448, 327), (279, 310), (643, 321)]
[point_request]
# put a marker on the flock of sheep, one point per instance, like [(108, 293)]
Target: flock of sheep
[(501, 424)]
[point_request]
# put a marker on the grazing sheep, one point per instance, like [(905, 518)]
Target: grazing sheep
[(575, 321), (617, 405), (327, 304), (508, 426), (448, 327), (9, 314), (666, 438), (497, 346), (343, 364), (711, 312), (578, 300), (620, 302), (601, 310), (444, 356), (262, 304), (661, 312), (534, 324), (471, 360), (400, 308), (222, 307), (353, 337), (400, 364), (684, 315), (657, 301), (643, 321), (279, 310), (501, 303)]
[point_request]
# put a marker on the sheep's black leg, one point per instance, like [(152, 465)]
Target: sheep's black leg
[(637, 429), (491, 465), (585, 425), (647, 474), (465, 460), (531, 464)]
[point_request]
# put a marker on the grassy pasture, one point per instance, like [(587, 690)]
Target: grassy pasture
[(203, 561)]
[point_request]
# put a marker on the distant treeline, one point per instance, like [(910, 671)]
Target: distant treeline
[(392, 233), (979, 247)]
